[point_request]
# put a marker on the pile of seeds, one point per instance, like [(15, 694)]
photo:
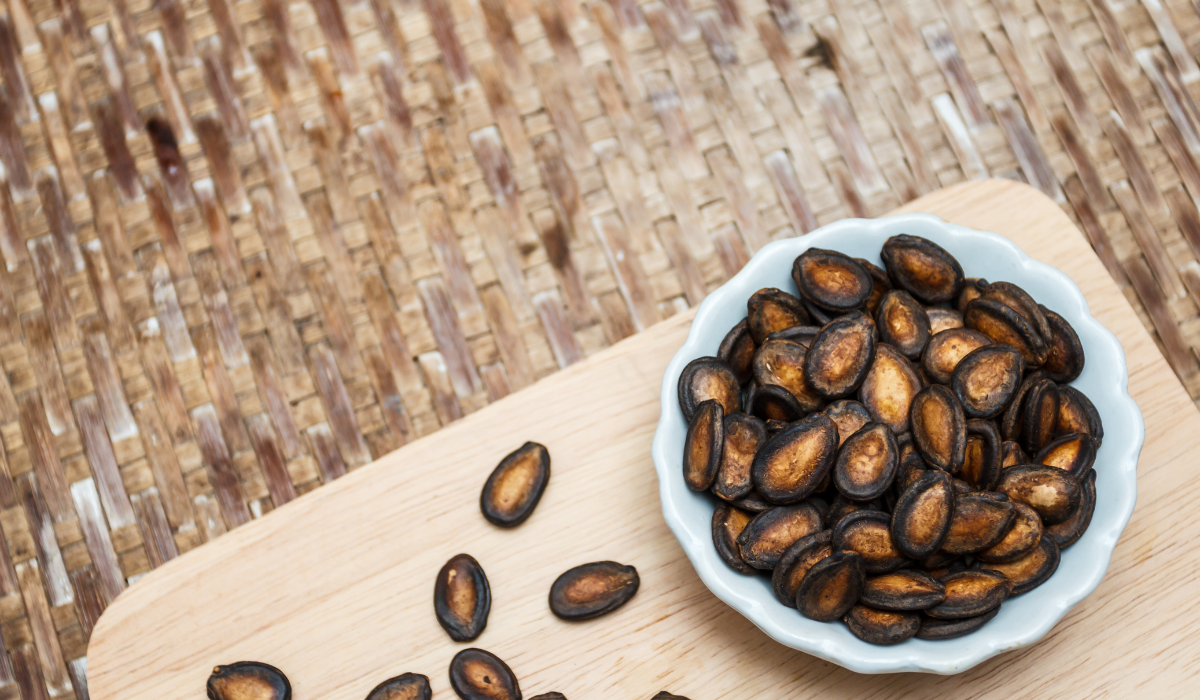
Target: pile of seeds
[(898, 448)]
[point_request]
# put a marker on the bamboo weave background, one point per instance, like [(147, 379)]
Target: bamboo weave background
[(251, 244)]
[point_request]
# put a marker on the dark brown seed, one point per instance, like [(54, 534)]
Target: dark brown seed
[(889, 388), (903, 323), (591, 590), (769, 534), (819, 316), (842, 506), (867, 532), (922, 514), (753, 502), (795, 563), (743, 436), (1013, 420), (1004, 325), (476, 674), (1052, 492), (947, 348), (882, 627), (703, 446), (797, 334), (923, 268), (902, 590), (248, 680), (933, 629), (1074, 453), (774, 426), (911, 469), (516, 485), (981, 467), (849, 416), (1064, 356), (1022, 536), (840, 356), (737, 350), (774, 403), (407, 686), (1077, 414), (782, 363), (664, 695), (727, 524), (793, 464), (971, 593), (986, 380), (867, 463), (462, 598), (1039, 418), (972, 289), (880, 284), (1069, 531), (942, 319), (707, 378), (1032, 570), (831, 280), (1012, 455), (771, 310), (549, 696), (939, 429), (978, 522), (831, 587), (1019, 300)]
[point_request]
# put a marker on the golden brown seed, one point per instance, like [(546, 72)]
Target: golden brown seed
[(943, 319), (867, 463), (248, 680), (1012, 455), (769, 534), (947, 348), (406, 686), (743, 436), (867, 532), (981, 467), (1004, 325), (978, 522), (737, 350), (1064, 356), (831, 280), (771, 310), (934, 629), (549, 696), (797, 334), (1013, 420), (882, 627), (591, 590), (462, 598), (753, 502), (1022, 536), (727, 524), (889, 388), (840, 356), (902, 590), (971, 593), (922, 514), (939, 429), (707, 378), (1052, 492), (1032, 570), (842, 506), (793, 464), (972, 289), (795, 563), (880, 285), (782, 363), (903, 323), (1039, 417), (1076, 414), (849, 416), (1074, 453), (703, 446), (1019, 300), (831, 587), (1069, 531), (774, 404), (516, 485), (986, 380), (923, 268), (476, 674)]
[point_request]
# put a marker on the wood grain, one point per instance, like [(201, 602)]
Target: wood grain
[(334, 587)]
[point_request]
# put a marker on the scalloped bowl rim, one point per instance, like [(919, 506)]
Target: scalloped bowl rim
[(1022, 620)]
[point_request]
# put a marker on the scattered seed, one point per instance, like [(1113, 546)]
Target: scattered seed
[(591, 590), (407, 686), (248, 680), (476, 674), (462, 598)]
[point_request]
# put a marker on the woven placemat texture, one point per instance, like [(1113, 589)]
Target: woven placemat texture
[(249, 245)]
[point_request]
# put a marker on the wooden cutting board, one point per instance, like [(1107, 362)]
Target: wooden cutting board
[(341, 602)]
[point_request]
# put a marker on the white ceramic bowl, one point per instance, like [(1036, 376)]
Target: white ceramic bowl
[(1022, 620)]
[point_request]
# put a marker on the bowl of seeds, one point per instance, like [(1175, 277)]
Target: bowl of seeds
[(898, 444)]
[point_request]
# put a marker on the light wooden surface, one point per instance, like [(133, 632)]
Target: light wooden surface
[(341, 601)]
